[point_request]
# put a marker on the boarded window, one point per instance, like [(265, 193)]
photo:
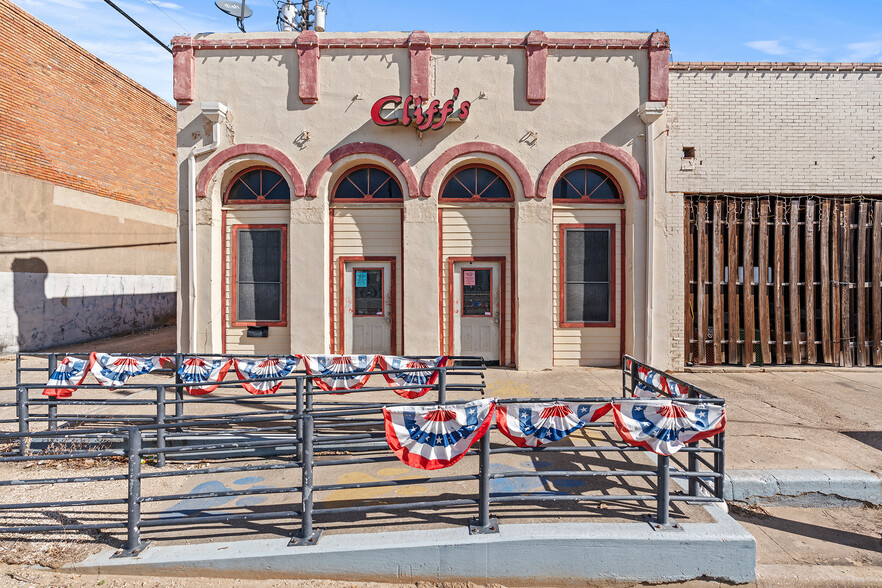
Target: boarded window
[(587, 276), (259, 287)]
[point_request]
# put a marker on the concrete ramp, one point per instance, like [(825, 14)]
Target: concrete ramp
[(518, 554)]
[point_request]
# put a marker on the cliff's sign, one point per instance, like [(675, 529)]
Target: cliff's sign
[(395, 110)]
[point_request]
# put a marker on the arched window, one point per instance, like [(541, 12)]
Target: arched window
[(475, 182), (367, 183), (586, 183), (260, 184)]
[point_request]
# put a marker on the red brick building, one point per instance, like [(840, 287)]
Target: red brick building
[(87, 193)]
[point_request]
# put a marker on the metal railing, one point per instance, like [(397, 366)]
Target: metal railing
[(308, 438)]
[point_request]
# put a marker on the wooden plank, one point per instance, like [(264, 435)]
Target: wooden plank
[(780, 354), (716, 293), (811, 348), (836, 288), (877, 283), (824, 247), (845, 356), (795, 306), (734, 323), (763, 287), (860, 286), (689, 264), (701, 280), (748, 356)]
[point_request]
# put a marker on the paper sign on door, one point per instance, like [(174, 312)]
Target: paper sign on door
[(468, 278), (361, 279)]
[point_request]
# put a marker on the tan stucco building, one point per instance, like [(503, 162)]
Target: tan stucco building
[(517, 230)]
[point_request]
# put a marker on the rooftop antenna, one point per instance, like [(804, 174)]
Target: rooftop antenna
[(302, 16), (238, 11)]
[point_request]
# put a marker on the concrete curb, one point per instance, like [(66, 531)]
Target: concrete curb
[(804, 488), (520, 553)]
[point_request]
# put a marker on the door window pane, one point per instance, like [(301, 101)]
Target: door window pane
[(477, 292), (588, 271), (368, 292), (259, 275)]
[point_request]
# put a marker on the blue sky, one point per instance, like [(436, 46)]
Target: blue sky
[(783, 30)]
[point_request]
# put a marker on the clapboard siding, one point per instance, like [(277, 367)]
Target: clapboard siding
[(477, 232), (279, 339), (589, 346), (367, 232)]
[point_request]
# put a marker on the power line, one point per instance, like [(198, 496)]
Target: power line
[(159, 8), (137, 24)]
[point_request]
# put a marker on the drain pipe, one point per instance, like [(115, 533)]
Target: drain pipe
[(650, 112), (216, 113)]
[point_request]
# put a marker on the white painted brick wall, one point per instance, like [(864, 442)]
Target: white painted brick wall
[(776, 132)]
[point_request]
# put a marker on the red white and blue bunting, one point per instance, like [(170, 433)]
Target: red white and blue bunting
[(665, 426), (537, 424), (69, 374), (427, 376), (659, 381), (340, 372), (435, 437), (270, 367), (113, 371), (196, 371)]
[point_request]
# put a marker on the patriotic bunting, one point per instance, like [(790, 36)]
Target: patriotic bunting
[(661, 382), (427, 376), (69, 374), (196, 371), (112, 371), (270, 367), (435, 437), (665, 426), (534, 425), (340, 372)]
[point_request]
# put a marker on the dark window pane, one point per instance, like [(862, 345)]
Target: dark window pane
[(259, 184), (259, 275), (585, 183), (476, 181), (369, 292), (260, 255), (587, 303), (368, 182), (477, 296), (587, 255)]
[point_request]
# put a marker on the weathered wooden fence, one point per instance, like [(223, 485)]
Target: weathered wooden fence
[(777, 280)]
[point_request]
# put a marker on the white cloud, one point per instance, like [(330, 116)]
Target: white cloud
[(865, 51), (768, 47)]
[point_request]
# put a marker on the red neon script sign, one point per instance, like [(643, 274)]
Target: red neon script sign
[(433, 117)]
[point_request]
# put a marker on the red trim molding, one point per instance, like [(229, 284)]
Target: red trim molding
[(307, 44), (536, 46), (476, 147), (562, 268), (659, 66), (183, 88), (591, 148), (420, 60), (229, 153), (339, 153)]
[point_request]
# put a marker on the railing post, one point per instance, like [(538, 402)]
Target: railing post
[(308, 392), (22, 409), (299, 426), (307, 535), (134, 545), (442, 385), (160, 420), (633, 378), (693, 462), (179, 389), (662, 515), (484, 523), (720, 464), (52, 405)]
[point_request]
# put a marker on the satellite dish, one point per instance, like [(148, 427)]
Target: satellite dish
[(234, 9)]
